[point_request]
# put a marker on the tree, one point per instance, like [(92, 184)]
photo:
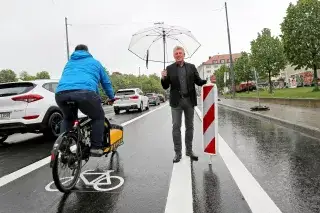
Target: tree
[(24, 75), (243, 69), (267, 55), (7, 75), (43, 75), (219, 74), (301, 36)]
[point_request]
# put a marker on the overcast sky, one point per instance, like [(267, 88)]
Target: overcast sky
[(32, 34)]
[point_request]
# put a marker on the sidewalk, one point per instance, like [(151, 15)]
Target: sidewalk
[(302, 119)]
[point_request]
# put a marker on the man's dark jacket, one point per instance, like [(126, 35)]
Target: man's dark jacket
[(172, 81)]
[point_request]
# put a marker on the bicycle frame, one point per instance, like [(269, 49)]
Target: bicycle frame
[(77, 126)]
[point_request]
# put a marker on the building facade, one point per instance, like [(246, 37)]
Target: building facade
[(208, 68)]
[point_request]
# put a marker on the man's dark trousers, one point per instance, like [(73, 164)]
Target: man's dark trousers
[(185, 106), (89, 104)]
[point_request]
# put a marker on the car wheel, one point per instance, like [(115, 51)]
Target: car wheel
[(117, 111), (54, 125), (3, 138), (148, 106), (141, 107)]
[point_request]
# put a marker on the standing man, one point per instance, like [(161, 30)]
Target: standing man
[(182, 77)]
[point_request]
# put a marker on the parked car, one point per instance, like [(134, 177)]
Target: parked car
[(162, 98), (127, 99), (29, 107), (153, 98)]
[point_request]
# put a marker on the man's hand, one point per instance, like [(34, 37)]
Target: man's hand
[(110, 101), (164, 74)]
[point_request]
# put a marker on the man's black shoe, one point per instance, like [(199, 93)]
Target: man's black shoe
[(192, 156), (177, 158)]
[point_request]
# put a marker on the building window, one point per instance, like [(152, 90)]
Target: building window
[(222, 61), (208, 71), (208, 66)]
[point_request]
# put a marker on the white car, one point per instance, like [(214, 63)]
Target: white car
[(132, 98), (29, 107)]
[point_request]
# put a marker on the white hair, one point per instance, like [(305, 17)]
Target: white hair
[(178, 48)]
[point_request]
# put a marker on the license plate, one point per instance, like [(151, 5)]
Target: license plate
[(4, 115)]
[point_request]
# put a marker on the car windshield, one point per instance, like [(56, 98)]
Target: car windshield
[(125, 92), (149, 94), (15, 88)]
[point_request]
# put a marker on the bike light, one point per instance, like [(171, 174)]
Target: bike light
[(76, 123), (28, 98)]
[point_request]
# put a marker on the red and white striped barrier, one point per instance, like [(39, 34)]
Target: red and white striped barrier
[(209, 96)]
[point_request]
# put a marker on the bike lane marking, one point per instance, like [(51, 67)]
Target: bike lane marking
[(255, 196), (95, 183), (25, 170), (180, 190)]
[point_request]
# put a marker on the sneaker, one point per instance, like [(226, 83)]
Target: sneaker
[(96, 151)]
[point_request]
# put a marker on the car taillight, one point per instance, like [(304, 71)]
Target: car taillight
[(134, 97), (116, 98), (28, 98)]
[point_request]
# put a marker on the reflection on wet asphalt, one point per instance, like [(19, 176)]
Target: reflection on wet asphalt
[(285, 163), (144, 162), (25, 149), (214, 189)]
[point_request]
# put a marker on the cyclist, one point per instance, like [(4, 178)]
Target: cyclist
[(79, 83)]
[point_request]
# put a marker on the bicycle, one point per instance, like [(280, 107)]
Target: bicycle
[(73, 147)]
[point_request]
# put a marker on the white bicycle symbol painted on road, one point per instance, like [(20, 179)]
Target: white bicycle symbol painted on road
[(104, 179)]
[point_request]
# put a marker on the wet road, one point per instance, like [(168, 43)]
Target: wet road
[(284, 162), (145, 164), (24, 149)]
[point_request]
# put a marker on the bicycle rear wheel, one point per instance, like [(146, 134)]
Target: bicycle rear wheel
[(67, 158)]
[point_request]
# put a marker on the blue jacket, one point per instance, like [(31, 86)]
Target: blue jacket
[(84, 72)]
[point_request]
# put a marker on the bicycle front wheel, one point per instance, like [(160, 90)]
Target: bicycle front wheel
[(69, 157)]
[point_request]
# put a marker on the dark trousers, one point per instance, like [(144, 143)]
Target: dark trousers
[(89, 103), (185, 106)]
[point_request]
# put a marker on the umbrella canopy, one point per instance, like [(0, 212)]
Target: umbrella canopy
[(156, 43)]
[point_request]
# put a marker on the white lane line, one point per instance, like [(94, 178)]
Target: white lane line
[(25, 170), (258, 200), (180, 190)]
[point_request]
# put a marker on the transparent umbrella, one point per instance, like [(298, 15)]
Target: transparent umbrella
[(148, 43)]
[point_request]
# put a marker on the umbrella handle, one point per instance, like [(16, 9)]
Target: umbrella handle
[(164, 49)]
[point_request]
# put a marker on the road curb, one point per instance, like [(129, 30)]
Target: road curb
[(309, 130)]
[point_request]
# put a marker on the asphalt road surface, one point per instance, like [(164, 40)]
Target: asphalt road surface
[(258, 161)]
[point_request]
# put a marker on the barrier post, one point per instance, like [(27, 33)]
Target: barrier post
[(209, 96)]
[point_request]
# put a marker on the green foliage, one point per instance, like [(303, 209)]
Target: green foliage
[(219, 74), (301, 35), (7, 75), (243, 68), (149, 83), (24, 76), (267, 55), (43, 75)]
